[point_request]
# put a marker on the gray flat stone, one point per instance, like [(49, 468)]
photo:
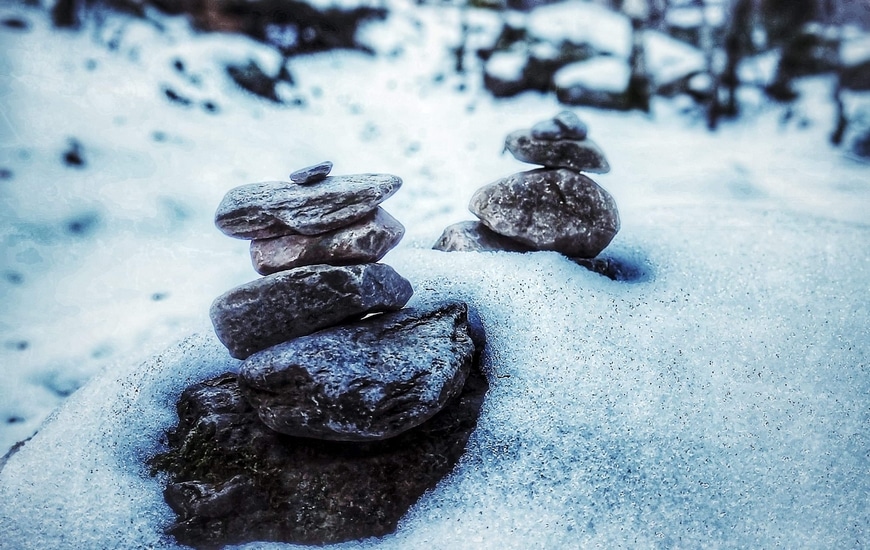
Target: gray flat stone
[(474, 236), (557, 210), (311, 174), (277, 208), (369, 380), (365, 241), (292, 303), (578, 155)]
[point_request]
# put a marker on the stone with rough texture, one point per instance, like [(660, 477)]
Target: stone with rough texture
[(277, 208), (311, 174), (474, 236), (556, 210), (364, 241), (232, 480), (581, 156), (292, 303), (363, 381)]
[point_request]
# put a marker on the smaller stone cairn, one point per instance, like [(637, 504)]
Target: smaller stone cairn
[(551, 208)]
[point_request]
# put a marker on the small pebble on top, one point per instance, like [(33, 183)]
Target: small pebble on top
[(311, 174)]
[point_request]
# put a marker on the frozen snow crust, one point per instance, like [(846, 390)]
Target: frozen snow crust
[(717, 404), (720, 399)]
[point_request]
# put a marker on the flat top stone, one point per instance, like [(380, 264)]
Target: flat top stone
[(276, 208), (311, 174), (578, 155)]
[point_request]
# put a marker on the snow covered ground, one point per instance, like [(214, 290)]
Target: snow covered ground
[(722, 399)]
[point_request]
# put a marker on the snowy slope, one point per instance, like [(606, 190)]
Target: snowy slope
[(719, 400)]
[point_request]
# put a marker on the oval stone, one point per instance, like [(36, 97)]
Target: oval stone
[(278, 307), (578, 155), (557, 210), (364, 241)]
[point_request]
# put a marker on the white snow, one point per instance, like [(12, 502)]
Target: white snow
[(718, 401), (668, 60), (693, 17), (507, 65), (581, 22), (603, 73), (856, 50)]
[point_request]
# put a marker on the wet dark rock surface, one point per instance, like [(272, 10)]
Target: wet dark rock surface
[(233, 480)]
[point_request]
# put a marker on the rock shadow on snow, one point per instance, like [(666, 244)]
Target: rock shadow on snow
[(624, 269), (232, 480)]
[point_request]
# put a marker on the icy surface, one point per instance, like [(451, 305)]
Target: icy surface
[(719, 399)]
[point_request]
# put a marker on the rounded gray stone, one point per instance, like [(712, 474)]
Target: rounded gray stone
[(565, 125), (311, 174), (571, 125), (277, 208), (369, 380), (296, 302), (364, 241), (557, 210), (474, 236), (578, 155)]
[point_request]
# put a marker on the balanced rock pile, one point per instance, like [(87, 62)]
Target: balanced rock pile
[(551, 208), (337, 383), (317, 238)]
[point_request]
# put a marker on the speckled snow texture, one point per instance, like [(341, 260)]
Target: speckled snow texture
[(83, 482), (719, 403)]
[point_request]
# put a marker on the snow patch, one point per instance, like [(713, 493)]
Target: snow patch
[(668, 60), (604, 74), (581, 22), (507, 66)]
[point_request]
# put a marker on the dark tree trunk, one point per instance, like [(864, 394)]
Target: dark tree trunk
[(65, 14)]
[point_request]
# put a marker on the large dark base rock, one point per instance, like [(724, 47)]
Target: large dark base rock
[(233, 480)]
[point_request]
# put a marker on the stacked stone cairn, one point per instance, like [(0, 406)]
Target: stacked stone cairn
[(555, 208), (312, 367), (346, 407)]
